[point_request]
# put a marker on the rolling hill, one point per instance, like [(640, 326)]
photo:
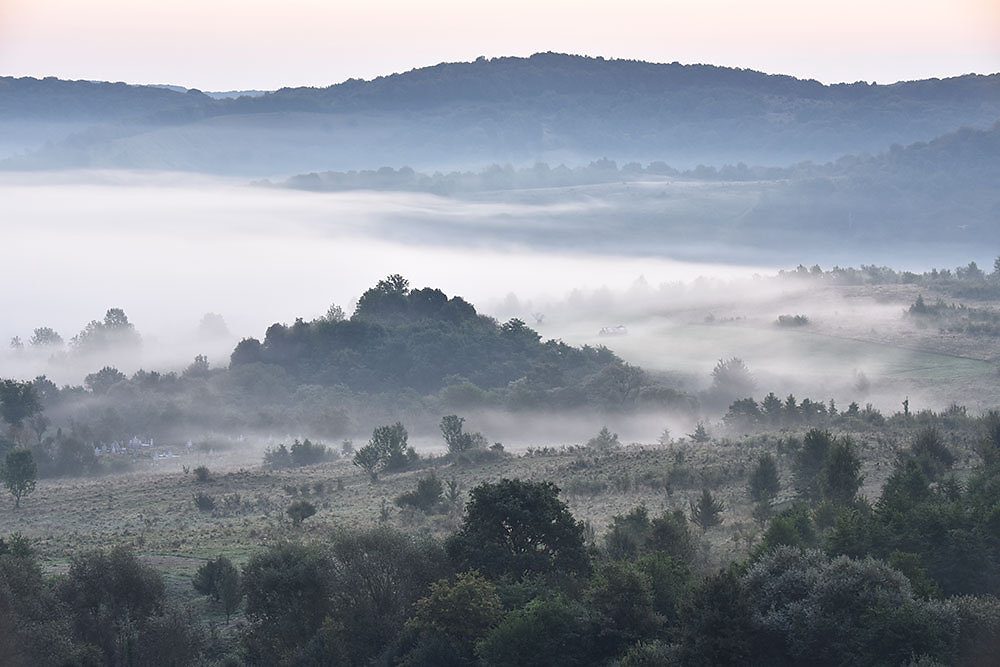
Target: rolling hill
[(549, 107)]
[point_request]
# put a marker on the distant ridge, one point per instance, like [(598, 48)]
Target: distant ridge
[(549, 107)]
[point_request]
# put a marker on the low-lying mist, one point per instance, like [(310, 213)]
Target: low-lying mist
[(169, 248)]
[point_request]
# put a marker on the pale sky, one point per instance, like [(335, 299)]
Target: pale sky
[(265, 44)]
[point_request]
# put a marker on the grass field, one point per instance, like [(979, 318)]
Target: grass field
[(155, 512)]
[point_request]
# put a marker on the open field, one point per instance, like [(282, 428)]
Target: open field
[(859, 343), (155, 512)]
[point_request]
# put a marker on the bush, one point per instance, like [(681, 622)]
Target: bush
[(604, 440), (425, 497), (300, 510), (202, 474), (306, 453), (204, 502), (300, 454), (279, 458), (705, 512)]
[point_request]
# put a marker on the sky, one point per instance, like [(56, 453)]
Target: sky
[(219, 45)]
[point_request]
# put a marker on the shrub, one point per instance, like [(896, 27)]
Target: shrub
[(459, 442), (604, 440), (202, 474), (204, 502), (300, 510), (705, 512), (425, 497), (306, 453)]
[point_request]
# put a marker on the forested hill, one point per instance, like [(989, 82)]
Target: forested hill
[(36, 111), (54, 99), (420, 341), (549, 107)]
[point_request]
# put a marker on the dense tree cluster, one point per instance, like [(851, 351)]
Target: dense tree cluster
[(401, 339)]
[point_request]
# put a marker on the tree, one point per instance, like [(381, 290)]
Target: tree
[(457, 441), (705, 512), (115, 330), (198, 368), (112, 596), (700, 433), (377, 576), (18, 401), (19, 474), (334, 314), (390, 442), (840, 477), (34, 628), (620, 598), (462, 612), (731, 380), (809, 462), (369, 459), (518, 527), (633, 535), (743, 416), (230, 590), (220, 579), (39, 423), (545, 632), (102, 381), (715, 623), (213, 325), (772, 408), (604, 440), (288, 591), (818, 611), (386, 450), (764, 483), (45, 337), (387, 300), (930, 452)]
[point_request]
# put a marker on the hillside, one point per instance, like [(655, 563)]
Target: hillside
[(548, 107)]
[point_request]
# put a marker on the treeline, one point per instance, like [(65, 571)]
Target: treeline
[(966, 161), (747, 415), (968, 281), (507, 177)]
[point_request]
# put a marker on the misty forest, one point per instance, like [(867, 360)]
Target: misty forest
[(553, 360)]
